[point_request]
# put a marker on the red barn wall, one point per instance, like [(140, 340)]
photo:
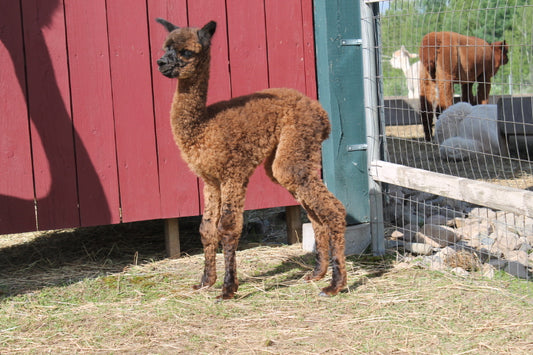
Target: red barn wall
[(84, 114)]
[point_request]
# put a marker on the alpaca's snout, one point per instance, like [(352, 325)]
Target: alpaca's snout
[(162, 61), (167, 64)]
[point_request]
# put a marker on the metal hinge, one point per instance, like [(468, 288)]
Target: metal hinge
[(351, 42), (357, 147)]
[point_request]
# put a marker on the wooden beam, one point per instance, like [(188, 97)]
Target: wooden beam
[(294, 224), (172, 238), (478, 192)]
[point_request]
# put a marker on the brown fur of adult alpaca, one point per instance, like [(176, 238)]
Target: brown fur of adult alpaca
[(225, 142), (448, 58)]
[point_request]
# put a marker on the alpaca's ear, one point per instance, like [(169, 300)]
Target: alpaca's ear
[(169, 26), (205, 34)]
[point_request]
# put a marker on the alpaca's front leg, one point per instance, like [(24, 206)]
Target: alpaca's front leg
[(208, 232), (230, 229), (483, 91), (466, 93)]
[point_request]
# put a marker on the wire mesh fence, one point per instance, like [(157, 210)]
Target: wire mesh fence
[(456, 96)]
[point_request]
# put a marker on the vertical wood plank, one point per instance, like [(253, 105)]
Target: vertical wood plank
[(294, 224), (309, 48), (179, 186), (247, 46), (92, 111), (133, 110), (172, 238), (17, 212), (286, 61), (201, 12), (49, 107)]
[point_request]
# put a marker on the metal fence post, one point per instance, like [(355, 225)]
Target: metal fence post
[(369, 29)]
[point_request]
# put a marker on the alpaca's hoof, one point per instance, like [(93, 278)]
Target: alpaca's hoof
[(224, 296), (312, 276), (329, 291)]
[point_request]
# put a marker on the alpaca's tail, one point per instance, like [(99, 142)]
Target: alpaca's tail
[(323, 117)]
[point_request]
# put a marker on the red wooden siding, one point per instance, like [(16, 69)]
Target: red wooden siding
[(133, 109), (177, 185), (84, 112), (92, 111), (17, 210), (49, 108)]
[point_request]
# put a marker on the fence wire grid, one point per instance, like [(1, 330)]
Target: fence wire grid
[(431, 54)]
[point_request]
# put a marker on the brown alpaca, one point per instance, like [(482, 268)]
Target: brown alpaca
[(448, 58), (225, 142)]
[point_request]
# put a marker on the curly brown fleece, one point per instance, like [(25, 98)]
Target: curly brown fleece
[(225, 142)]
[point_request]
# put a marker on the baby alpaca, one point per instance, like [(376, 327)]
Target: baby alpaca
[(225, 142)]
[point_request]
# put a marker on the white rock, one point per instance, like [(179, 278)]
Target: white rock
[(506, 240), (482, 212), (436, 263), (446, 252), (477, 229), (437, 219), (517, 255), (441, 235), (488, 271), (418, 248), (397, 235), (459, 271), (523, 244)]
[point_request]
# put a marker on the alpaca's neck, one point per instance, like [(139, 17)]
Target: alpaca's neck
[(406, 67), (189, 108)]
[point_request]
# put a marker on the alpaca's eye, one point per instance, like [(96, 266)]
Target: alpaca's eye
[(187, 54)]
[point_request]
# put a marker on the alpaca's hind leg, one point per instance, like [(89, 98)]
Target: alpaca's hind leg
[(427, 97), (322, 249), (208, 232), (230, 229), (329, 214), (296, 168)]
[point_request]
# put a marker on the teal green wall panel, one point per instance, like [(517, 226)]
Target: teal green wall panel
[(340, 90)]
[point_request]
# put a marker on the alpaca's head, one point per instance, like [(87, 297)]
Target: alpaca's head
[(500, 54), (185, 49)]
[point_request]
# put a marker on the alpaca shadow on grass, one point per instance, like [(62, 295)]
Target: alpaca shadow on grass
[(46, 108), (296, 267)]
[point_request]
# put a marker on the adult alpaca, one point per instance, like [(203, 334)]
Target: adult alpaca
[(225, 142), (448, 58)]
